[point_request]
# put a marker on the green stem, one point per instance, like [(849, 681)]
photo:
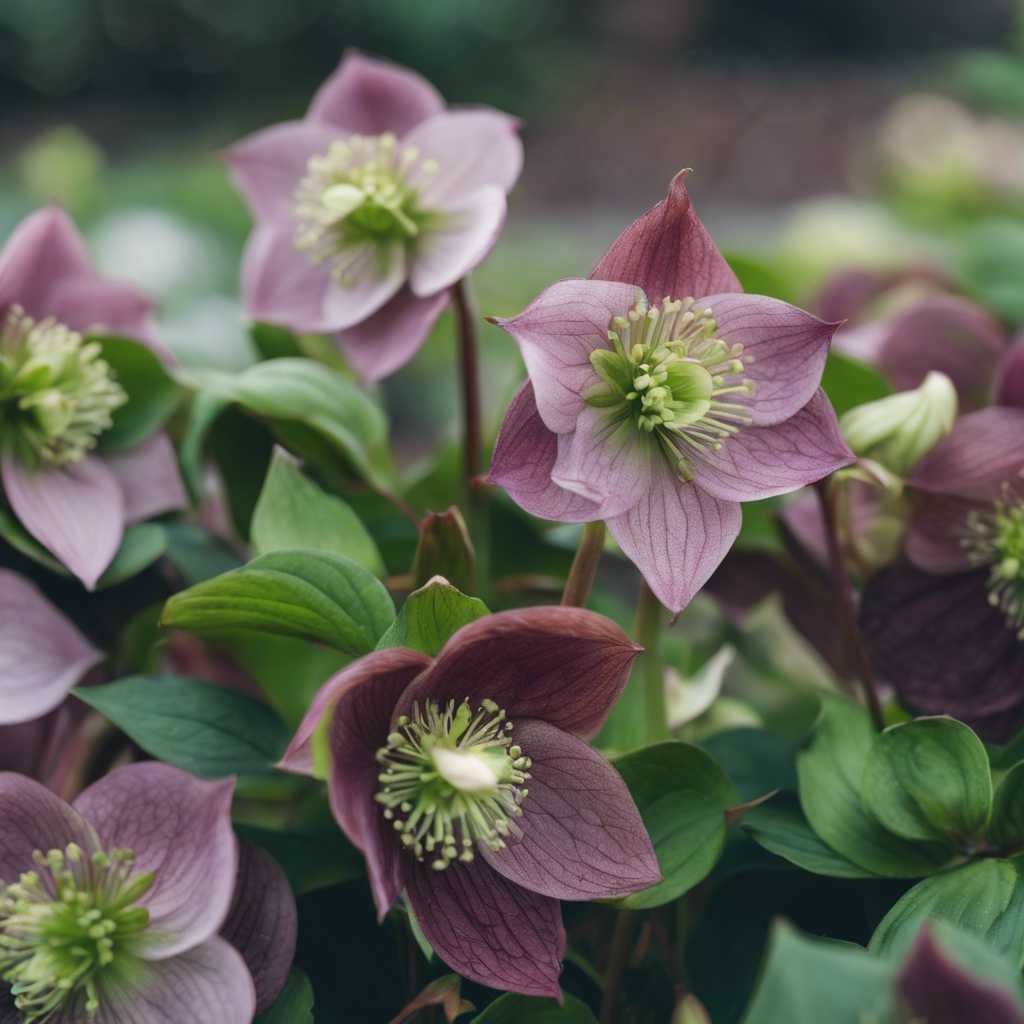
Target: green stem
[(647, 633), (584, 566)]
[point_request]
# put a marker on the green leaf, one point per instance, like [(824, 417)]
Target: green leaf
[(142, 545), (848, 382), (830, 771), (197, 554), (205, 729), (984, 897), (273, 342), (759, 277), (1008, 808), (810, 981), (682, 794), (317, 595), (294, 1005), (152, 394), (203, 410), (311, 860), (780, 827), (430, 616), (294, 512), (514, 1009), (928, 779)]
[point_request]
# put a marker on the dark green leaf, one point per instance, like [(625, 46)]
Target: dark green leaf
[(430, 616), (1008, 808), (202, 412), (514, 1009), (294, 1005), (198, 554), (759, 277), (142, 545), (273, 342), (311, 860)]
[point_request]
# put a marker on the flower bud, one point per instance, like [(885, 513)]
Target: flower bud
[(445, 550), (898, 430)]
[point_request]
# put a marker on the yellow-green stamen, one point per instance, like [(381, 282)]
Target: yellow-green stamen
[(996, 539)]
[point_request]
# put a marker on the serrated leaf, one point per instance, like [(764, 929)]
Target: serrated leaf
[(430, 616)]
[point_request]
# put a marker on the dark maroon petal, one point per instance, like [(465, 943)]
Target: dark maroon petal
[(939, 642), (263, 922), (982, 451), (847, 292), (938, 529), (940, 991), (1008, 387), (524, 456), (488, 929), (667, 252), (947, 333), (582, 836), (566, 666)]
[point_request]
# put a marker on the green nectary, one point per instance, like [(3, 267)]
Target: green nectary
[(996, 539), (450, 778), (665, 369), (65, 924), (56, 392)]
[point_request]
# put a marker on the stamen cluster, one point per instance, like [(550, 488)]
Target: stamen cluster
[(666, 370), (996, 539), (64, 924), (363, 189), (56, 393), (451, 778)]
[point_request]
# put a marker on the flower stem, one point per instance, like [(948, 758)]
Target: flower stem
[(647, 633), (845, 605), (469, 381), (584, 566), (625, 923)]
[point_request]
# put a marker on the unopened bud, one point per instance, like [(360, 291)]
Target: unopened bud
[(445, 550)]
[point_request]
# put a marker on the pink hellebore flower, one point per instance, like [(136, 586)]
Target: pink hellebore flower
[(110, 907), (659, 412), (465, 779), (370, 208), (57, 396)]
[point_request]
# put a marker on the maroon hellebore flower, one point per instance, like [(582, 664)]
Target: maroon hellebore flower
[(1008, 386), (370, 208), (149, 855), (466, 780), (659, 412), (57, 396)]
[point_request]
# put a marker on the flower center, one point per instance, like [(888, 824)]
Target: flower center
[(65, 923), (56, 393), (665, 368), (362, 190), (452, 778), (997, 539)]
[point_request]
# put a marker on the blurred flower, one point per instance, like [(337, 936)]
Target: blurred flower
[(112, 905), (687, 699), (858, 294), (465, 779), (57, 395), (660, 417), (1008, 385), (370, 208), (63, 165)]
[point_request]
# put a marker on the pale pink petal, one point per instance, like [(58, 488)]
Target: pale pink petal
[(268, 165), (760, 462), (668, 253), (42, 250), (42, 655), (76, 511), (1008, 386), (556, 334), (464, 234), (864, 343), (582, 836), (94, 305), (784, 351), (373, 96), (149, 476), (524, 456), (179, 827), (32, 818), (208, 983), (387, 340), (471, 148), (606, 460), (676, 536)]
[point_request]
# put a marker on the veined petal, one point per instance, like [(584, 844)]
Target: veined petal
[(667, 252), (373, 96), (784, 351), (94, 305), (179, 827), (42, 655), (938, 528), (76, 511), (607, 459), (582, 836), (676, 536), (1008, 386), (566, 666), (149, 477), (556, 334), (524, 456), (759, 462), (488, 928), (464, 234), (472, 148)]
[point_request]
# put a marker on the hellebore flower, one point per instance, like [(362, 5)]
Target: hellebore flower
[(57, 395), (465, 779), (110, 907), (1008, 386), (659, 412), (370, 208)]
